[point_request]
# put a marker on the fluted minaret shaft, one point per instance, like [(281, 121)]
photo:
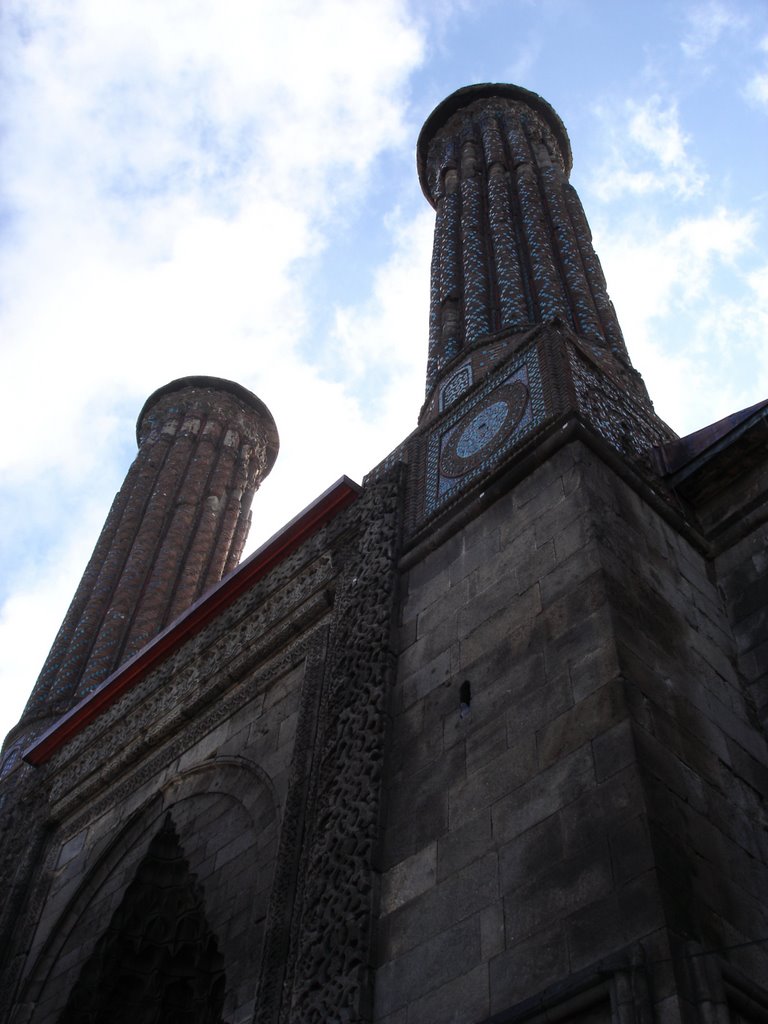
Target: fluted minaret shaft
[(176, 526), (512, 245)]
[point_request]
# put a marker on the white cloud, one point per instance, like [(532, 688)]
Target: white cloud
[(385, 337), (757, 86), (648, 153), (526, 56), (706, 24), (171, 175), (664, 283), (196, 155)]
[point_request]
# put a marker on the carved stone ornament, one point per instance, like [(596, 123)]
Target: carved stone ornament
[(317, 963)]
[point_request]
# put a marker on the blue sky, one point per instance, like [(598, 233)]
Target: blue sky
[(229, 188)]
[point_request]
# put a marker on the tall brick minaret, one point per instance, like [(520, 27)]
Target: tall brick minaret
[(577, 768), (523, 337), (512, 245), (175, 528)]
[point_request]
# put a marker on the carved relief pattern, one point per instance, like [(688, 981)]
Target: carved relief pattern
[(287, 883), (331, 817), (258, 624), (269, 630), (329, 972), (23, 826), (178, 735)]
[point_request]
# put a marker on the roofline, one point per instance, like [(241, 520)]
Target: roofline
[(282, 544)]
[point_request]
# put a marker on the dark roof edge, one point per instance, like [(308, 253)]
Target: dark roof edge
[(282, 544), (679, 459)]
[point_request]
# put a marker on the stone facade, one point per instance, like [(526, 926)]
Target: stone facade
[(482, 741), (560, 833)]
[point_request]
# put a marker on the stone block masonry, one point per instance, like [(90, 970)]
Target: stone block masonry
[(579, 800)]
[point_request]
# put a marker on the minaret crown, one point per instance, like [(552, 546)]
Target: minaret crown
[(193, 393), (486, 94), (512, 247)]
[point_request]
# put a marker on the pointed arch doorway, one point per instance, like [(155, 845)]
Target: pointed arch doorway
[(158, 961)]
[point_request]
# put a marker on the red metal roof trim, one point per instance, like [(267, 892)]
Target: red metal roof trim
[(282, 544)]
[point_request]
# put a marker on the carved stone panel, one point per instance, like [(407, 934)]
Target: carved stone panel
[(317, 964)]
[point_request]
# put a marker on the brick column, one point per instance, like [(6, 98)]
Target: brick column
[(512, 246), (177, 524)]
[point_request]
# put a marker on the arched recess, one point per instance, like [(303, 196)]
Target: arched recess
[(225, 815), (158, 961)]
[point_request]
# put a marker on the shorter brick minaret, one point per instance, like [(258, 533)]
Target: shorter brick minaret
[(176, 527)]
